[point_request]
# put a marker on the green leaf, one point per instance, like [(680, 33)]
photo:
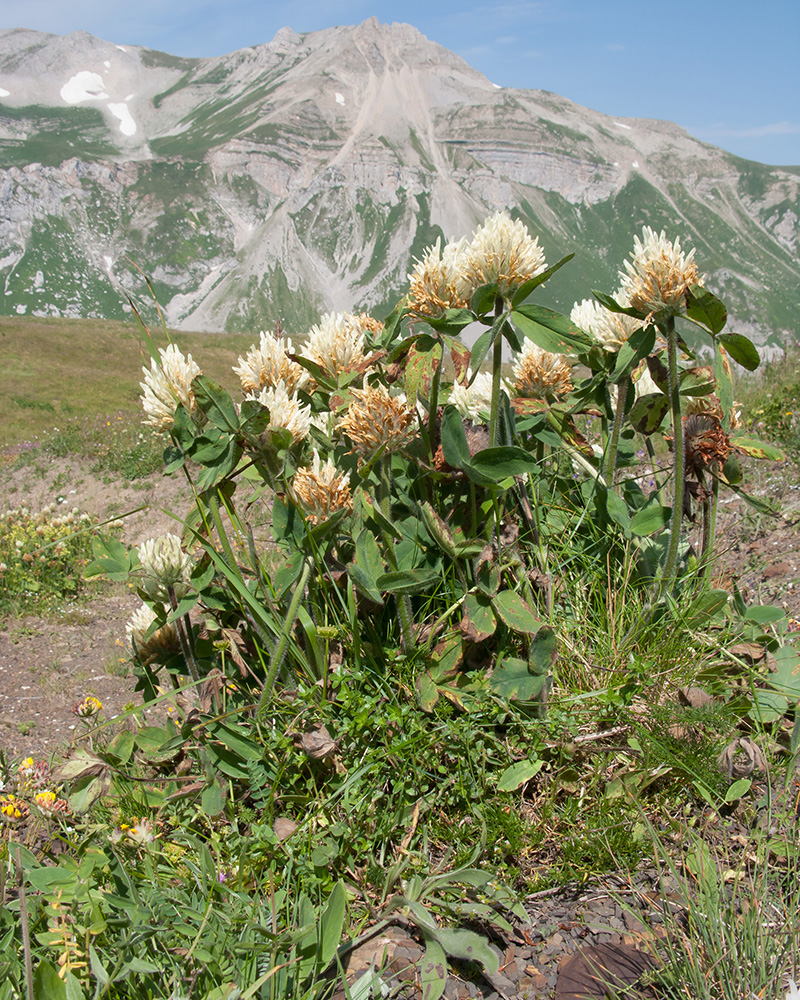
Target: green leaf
[(647, 414), (424, 357), (764, 614), (111, 558), (698, 381), (453, 321), (407, 582), (543, 652), (549, 330), (704, 307), (481, 347), (87, 791), (332, 923), (438, 529), (650, 518), (433, 970), (785, 678), (121, 747), (518, 774), (427, 691), (613, 306), (468, 946), (210, 446), (741, 349), (515, 613), (732, 469), (532, 283), (497, 464), (483, 299), (757, 449), (512, 679), (216, 403), (212, 800), (705, 607), (738, 789), (480, 618), (46, 983), (639, 345), (287, 525), (233, 737), (454, 439)]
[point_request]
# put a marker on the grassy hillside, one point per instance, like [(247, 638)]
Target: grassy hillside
[(55, 369)]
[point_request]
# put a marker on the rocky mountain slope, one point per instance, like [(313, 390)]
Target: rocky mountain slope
[(304, 174)]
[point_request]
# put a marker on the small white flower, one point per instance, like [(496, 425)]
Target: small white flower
[(285, 411), (502, 252), (659, 274), (474, 401), (164, 565), (337, 342), (610, 328), (435, 279), (541, 375), (166, 385), (268, 364)]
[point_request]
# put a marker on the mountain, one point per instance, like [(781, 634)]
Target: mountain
[(303, 175)]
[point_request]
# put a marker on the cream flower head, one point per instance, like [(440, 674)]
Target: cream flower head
[(610, 328), (285, 411), (374, 420), (502, 252), (166, 385), (474, 401), (268, 364), (539, 374), (150, 647), (164, 565), (659, 274), (320, 490), (434, 281), (337, 342)]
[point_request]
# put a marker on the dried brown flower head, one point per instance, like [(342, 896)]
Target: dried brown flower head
[(374, 420), (321, 491), (540, 375), (705, 443)]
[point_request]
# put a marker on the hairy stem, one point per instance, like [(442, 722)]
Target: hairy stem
[(610, 465), (497, 371), (668, 574)]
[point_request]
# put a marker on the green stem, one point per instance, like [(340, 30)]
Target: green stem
[(497, 372), (668, 574), (709, 527), (610, 465), (183, 627), (223, 537), (433, 405), (403, 601), (283, 640)]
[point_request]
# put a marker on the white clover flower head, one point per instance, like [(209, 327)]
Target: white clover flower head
[(435, 279), (166, 385), (285, 411), (502, 252), (474, 401), (337, 342), (162, 641), (609, 328), (269, 363), (164, 565), (659, 274), (321, 490), (541, 375)]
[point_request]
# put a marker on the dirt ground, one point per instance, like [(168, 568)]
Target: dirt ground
[(47, 665)]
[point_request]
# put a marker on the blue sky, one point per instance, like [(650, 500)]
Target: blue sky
[(728, 72)]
